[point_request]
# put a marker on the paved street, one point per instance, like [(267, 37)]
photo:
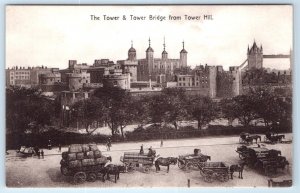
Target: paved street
[(34, 172)]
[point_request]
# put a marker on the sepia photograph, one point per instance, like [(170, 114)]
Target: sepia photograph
[(149, 96)]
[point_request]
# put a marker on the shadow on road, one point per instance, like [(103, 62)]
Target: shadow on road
[(56, 176)]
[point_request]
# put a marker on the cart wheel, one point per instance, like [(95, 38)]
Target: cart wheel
[(208, 178), (79, 177), (147, 169), (64, 170), (181, 164), (92, 177), (224, 177), (202, 173), (189, 165), (130, 168)]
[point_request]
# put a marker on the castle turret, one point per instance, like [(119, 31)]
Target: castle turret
[(255, 56), (131, 53), (149, 57), (183, 57), (164, 54)]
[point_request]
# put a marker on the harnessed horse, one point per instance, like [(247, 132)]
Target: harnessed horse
[(165, 162)]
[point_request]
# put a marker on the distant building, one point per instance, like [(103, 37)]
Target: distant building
[(150, 67), (255, 56), (29, 77)]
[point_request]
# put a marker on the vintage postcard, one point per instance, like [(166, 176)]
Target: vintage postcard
[(149, 96)]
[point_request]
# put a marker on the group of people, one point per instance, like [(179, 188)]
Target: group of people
[(151, 152), (38, 152)]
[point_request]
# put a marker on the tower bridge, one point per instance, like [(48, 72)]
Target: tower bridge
[(255, 57)]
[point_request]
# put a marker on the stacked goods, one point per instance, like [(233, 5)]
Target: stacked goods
[(82, 156)]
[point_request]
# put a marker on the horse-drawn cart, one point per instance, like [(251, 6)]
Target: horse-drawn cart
[(262, 158), (83, 162), (214, 170), (272, 137), (132, 160), (192, 160)]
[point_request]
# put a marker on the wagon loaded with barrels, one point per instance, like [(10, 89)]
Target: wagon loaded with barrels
[(262, 158), (83, 162), (132, 160), (214, 170), (192, 160)]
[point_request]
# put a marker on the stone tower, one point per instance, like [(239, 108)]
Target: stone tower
[(131, 53), (164, 54), (183, 57), (150, 58), (255, 57)]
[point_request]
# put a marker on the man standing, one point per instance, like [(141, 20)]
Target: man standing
[(142, 149)]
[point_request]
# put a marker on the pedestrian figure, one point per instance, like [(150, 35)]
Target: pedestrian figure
[(49, 145), (142, 149), (38, 154), (42, 153), (59, 147), (161, 143), (108, 144), (150, 153)]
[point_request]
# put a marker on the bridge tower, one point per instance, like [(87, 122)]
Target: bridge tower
[(255, 56)]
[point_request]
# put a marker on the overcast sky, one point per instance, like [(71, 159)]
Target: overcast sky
[(52, 35)]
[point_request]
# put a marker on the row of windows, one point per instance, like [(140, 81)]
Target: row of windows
[(22, 72), (188, 84), (161, 66), (183, 78), (20, 77)]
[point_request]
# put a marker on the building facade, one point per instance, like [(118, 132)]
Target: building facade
[(150, 67)]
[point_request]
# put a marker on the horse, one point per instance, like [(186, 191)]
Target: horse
[(255, 137), (249, 140), (237, 168), (112, 169), (165, 162), (280, 137)]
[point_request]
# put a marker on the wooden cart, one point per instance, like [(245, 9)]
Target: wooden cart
[(262, 158), (132, 160), (214, 170), (192, 160)]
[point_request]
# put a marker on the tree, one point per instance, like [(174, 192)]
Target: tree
[(117, 104), (87, 112), (243, 107), (270, 107), (141, 110), (174, 100), (227, 109), (28, 111), (202, 109)]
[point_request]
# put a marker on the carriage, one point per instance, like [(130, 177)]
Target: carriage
[(214, 170), (83, 162), (26, 151), (192, 160), (131, 160), (247, 138), (243, 137), (262, 158), (272, 137)]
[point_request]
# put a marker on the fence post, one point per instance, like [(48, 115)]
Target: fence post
[(189, 183)]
